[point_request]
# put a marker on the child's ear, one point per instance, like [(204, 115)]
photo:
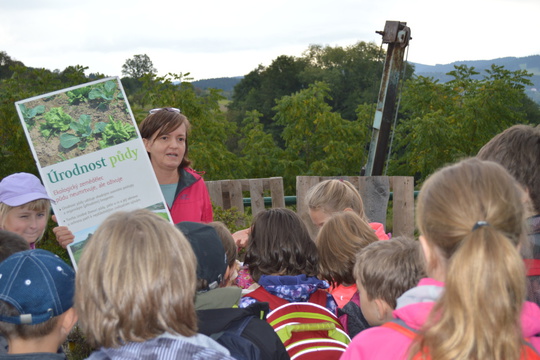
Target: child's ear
[(384, 311), (226, 277), (69, 318), (426, 250), (348, 209)]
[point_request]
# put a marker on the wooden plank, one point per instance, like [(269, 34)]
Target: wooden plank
[(375, 193), (215, 191), (235, 194), (403, 206), (256, 193), (277, 192), (303, 184)]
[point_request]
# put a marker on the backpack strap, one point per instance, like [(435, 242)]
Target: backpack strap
[(530, 350), (401, 327), (238, 326), (533, 267), (319, 297), (262, 295)]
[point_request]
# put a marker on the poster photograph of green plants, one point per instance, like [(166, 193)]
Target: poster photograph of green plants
[(77, 121)]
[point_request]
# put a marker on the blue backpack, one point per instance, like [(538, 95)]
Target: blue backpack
[(240, 347)]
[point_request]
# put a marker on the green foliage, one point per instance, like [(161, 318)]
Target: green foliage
[(318, 141), (21, 83), (210, 130), (105, 93), (29, 114), (351, 73), (255, 142), (83, 132), (56, 122), (78, 95), (116, 132), (442, 123), (232, 218)]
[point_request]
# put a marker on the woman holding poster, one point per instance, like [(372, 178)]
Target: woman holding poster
[(165, 136)]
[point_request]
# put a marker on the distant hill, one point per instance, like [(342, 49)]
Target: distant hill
[(528, 63), (224, 83), (438, 72)]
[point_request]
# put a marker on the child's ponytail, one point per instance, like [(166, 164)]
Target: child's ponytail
[(472, 216)]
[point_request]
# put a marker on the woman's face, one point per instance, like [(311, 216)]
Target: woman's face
[(29, 224), (167, 151)]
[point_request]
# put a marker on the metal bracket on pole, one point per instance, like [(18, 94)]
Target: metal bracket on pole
[(397, 35)]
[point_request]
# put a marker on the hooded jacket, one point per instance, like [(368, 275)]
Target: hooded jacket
[(293, 289), (191, 201), (414, 307)]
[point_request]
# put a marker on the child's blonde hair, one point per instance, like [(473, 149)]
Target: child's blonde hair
[(471, 214), (338, 242), (136, 280), (388, 268), (335, 195)]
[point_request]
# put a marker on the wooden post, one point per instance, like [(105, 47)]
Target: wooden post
[(403, 206)]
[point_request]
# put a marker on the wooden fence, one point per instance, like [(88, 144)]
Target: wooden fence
[(375, 192), (229, 193)]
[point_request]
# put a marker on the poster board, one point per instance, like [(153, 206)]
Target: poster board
[(90, 156)]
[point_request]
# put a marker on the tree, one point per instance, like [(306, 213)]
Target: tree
[(209, 128), (441, 123), (138, 66), (317, 140), (6, 62), (261, 155), (260, 89), (24, 82)]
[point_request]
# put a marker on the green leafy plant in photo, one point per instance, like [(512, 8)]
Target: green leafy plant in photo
[(105, 93), (29, 113), (79, 95), (116, 132), (84, 132), (56, 122)]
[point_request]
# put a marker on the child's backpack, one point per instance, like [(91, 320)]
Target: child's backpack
[(307, 329), (528, 353), (240, 347)]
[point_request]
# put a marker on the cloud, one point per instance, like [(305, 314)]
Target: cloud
[(211, 37)]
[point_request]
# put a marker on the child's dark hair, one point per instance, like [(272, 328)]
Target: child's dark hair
[(279, 244), (11, 243), (517, 149), (23, 331)]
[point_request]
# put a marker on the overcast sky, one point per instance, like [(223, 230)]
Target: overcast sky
[(216, 38)]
